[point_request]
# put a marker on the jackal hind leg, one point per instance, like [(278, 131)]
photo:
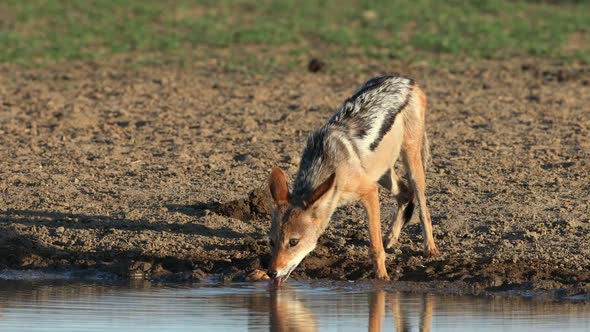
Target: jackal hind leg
[(405, 205), (412, 156)]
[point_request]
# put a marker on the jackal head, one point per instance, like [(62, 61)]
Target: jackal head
[(296, 225)]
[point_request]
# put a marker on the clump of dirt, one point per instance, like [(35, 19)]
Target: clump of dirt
[(157, 173), (255, 205), (316, 65)]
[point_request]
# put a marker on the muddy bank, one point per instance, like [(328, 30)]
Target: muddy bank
[(157, 173)]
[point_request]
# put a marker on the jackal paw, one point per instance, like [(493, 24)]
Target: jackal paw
[(431, 252), (389, 242), (381, 276)]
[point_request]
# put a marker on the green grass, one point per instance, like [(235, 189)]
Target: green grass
[(271, 33)]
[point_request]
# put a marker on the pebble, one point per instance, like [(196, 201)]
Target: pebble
[(316, 65), (257, 275), (496, 281), (198, 275)]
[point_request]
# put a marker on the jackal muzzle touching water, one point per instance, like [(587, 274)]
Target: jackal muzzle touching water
[(344, 161)]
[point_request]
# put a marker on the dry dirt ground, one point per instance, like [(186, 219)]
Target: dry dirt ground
[(156, 172)]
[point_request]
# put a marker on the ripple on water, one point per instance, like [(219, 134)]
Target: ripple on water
[(67, 304)]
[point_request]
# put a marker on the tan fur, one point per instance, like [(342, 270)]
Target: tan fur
[(412, 155), (371, 202)]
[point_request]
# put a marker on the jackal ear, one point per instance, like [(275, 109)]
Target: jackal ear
[(278, 186), (321, 190)]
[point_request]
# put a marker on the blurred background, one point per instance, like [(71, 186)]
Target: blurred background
[(261, 35)]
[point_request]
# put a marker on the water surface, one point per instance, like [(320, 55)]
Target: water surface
[(96, 305)]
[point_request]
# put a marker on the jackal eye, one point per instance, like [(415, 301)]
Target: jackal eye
[(293, 242)]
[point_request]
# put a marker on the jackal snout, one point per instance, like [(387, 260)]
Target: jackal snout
[(295, 226), (293, 236)]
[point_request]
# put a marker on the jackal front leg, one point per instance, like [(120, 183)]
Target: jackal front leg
[(371, 202)]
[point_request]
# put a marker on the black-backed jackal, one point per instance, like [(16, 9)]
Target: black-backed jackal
[(344, 161)]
